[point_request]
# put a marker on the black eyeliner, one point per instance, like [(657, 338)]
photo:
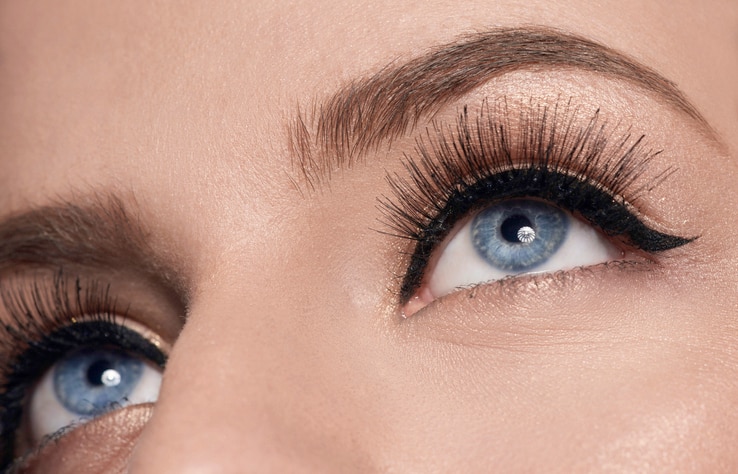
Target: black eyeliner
[(469, 167), (50, 320)]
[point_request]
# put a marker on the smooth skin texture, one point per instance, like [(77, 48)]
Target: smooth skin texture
[(294, 356)]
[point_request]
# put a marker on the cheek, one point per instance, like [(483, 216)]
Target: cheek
[(677, 420), (531, 412), (578, 374)]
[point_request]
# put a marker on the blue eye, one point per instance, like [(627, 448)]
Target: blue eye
[(517, 236), (88, 383), (513, 237)]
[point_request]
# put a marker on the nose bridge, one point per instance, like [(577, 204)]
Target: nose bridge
[(254, 385), (276, 369)]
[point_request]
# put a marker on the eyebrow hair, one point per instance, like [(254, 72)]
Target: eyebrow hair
[(98, 233), (368, 112)]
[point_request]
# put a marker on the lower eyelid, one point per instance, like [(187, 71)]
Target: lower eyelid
[(70, 447), (474, 315)]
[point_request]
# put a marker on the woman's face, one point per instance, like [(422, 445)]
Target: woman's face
[(381, 237)]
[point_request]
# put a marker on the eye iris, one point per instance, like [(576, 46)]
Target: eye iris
[(91, 382), (518, 235)]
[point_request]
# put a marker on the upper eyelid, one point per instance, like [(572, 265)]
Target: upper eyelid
[(597, 162), (365, 113), (74, 295)]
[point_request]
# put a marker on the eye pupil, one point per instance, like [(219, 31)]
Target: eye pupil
[(101, 373), (518, 229)]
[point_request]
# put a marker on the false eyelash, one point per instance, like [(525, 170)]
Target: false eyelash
[(585, 170), (47, 322)]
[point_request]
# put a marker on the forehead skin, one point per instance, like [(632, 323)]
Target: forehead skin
[(290, 360)]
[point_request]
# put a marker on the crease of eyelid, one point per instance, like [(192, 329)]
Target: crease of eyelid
[(365, 113), (41, 307)]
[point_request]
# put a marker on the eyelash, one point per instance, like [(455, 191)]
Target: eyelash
[(455, 174), (45, 325), (476, 164)]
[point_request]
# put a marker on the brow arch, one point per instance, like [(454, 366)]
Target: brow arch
[(367, 112)]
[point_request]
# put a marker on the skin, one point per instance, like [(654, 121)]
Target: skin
[(294, 356)]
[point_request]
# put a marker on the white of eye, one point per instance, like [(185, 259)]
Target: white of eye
[(462, 263), (88, 390)]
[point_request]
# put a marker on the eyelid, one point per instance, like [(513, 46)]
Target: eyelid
[(543, 152), (114, 430), (534, 310), (49, 319), (44, 304), (141, 329), (135, 298)]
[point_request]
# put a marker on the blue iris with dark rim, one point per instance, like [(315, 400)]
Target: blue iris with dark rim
[(91, 382), (519, 235)]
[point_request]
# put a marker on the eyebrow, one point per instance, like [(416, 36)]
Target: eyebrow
[(98, 233), (366, 113)]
